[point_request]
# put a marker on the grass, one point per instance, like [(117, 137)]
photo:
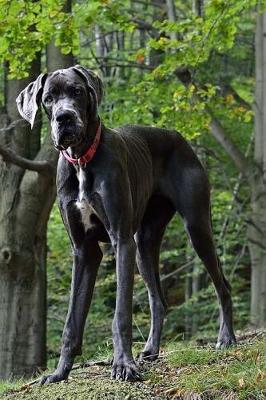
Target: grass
[(240, 371), (183, 371), (8, 386)]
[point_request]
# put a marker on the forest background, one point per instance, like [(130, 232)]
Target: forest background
[(194, 66)]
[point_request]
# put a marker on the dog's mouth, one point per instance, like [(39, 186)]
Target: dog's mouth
[(61, 147), (68, 141), (68, 136)]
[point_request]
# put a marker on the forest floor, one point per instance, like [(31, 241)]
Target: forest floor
[(184, 371)]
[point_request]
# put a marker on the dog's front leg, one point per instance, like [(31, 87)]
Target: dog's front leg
[(116, 211), (86, 261), (124, 367)]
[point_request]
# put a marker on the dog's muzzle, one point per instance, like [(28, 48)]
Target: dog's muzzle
[(67, 129)]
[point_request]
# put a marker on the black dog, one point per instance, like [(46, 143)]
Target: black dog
[(121, 186)]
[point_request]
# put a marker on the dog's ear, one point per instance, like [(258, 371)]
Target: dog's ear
[(29, 99), (93, 81)]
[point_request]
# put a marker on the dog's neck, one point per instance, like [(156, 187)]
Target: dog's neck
[(81, 148)]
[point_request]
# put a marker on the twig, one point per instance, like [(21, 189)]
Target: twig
[(75, 366), (92, 363), (27, 385)]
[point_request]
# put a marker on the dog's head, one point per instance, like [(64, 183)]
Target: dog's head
[(70, 98)]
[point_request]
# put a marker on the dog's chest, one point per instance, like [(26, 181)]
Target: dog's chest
[(83, 202)]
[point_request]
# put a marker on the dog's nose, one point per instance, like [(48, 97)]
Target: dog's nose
[(64, 117)]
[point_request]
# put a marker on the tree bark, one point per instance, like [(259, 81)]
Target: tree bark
[(257, 248), (257, 226), (26, 197), (159, 11), (188, 294), (171, 13), (198, 7)]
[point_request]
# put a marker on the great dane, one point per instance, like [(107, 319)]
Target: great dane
[(121, 186)]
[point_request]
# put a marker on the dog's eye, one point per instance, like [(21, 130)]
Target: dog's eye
[(48, 99), (77, 91)]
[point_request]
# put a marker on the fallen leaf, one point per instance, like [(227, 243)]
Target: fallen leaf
[(241, 382)]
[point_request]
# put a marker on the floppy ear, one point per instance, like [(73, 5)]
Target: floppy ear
[(28, 100), (94, 83)]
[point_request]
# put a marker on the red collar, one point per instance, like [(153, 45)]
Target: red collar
[(89, 152)]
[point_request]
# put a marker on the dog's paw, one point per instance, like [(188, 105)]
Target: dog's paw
[(147, 356), (125, 371), (225, 341), (52, 378)]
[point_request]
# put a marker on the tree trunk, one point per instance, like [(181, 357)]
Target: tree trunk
[(198, 7), (159, 14), (24, 210), (171, 13), (26, 200), (54, 58), (257, 226), (23, 276), (257, 248), (188, 294), (196, 286), (100, 48)]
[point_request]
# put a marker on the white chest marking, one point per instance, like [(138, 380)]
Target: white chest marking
[(86, 210)]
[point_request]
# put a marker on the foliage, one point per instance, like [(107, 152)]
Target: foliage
[(27, 26)]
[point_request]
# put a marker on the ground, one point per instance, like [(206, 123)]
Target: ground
[(184, 371)]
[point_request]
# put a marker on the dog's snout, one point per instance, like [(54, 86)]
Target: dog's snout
[(64, 117)]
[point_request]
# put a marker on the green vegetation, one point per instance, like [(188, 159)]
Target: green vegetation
[(183, 371), (241, 371), (10, 386)]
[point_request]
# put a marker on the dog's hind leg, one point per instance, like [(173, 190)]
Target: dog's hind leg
[(201, 237), (148, 240), (192, 200)]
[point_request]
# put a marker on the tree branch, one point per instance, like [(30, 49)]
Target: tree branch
[(145, 26), (228, 145), (229, 90), (42, 167), (218, 131), (114, 62), (21, 122)]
